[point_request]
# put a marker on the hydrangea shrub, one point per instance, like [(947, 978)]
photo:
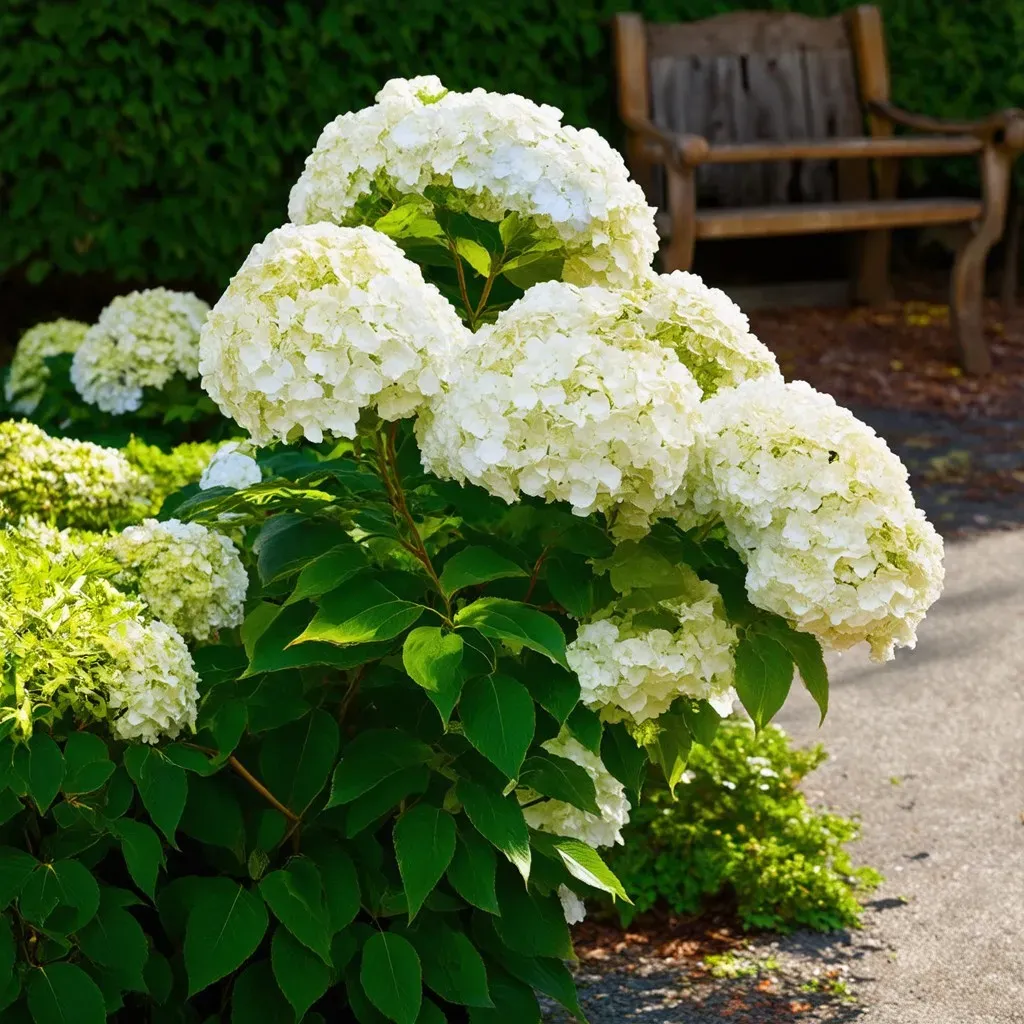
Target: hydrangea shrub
[(492, 560)]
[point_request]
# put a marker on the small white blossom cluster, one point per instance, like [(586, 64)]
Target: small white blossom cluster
[(564, 398), (231, 466), (562, 819), (705, 328), (631, 668), (498, 154), (574, 909), (821, 510), (188, 576), (28, 374), (319, 323), (155, 693), (140, 341)]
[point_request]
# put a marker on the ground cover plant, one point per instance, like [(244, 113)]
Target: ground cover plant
[(339, 732)]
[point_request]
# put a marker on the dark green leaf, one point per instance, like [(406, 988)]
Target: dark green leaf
[(531, 924), (498, 719), (371, 757), (256, 997), (668, 746), (701, 719), (391, 977), (287, 542), (143, 853), (451, 965), (41, 766), (587, 727), (300, 974), (15, 867), (10, 805), (226, 924), (62, 993), (499, 819), (297, 759), (805, 650), (560, 779), (87, 764), (385, 797), (571, 582), (556, 690), (189, 758), (213, 814), (340, 882), (584, 863), (516, 624), (158, 977), (7, 952), (295, 894), (764, 674), (328, 572), (625, 759), (433, 660), (424, 844), (162, 785), (63, 896), (115, 939), (472, 870), (358, 615), (475, 565), (514, 1002)]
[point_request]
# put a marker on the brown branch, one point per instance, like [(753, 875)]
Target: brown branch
[(461, 274), (244, 773), (535, 574)]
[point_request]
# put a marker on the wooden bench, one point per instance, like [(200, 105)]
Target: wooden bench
[(762, 116)]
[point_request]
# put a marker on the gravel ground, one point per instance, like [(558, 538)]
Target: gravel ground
[(930, 751)]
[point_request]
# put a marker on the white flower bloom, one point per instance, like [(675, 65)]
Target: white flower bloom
[(231, 466), (188, 576), (155, 692), (821, 511), (28, 374), (320, 323), (705, 328), (140, 341), (573, 907), (562, 819), (563, 398), (497, 154), (635, 663)]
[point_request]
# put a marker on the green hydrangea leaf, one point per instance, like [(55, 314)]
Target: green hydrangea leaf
[(162, 785), (391, 977), (764, 675), (424, 838), (371, 757), (499, 819), (295, 894), (301, 975), (473, 566), (433, 660), (498, 719), (61, 993), (516, 624)]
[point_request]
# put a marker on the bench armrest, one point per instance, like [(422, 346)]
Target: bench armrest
[(1008, 123), (666, 147)]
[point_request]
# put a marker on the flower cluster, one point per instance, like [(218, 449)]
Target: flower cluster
[(140, 341), (562, 819), (821, 511), (28, 373), (187, 575), (492, 154), (169, 471), (231, 465), (564, 398), (705, 328), (64, 482), (320, 323)]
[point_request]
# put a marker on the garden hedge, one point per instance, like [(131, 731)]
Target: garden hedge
[(153, 141)]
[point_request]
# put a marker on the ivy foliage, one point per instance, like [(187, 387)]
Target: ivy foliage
[(182, 125)]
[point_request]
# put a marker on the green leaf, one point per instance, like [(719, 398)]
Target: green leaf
[(225, 926), (143, 853), (625, 759), (62, 896), (475, 565), (701, 719), (213, 815), (41, 766), (7, 952), (87, 764), (472, 870), (158, 977), (571, 582), (295, 894), (583, 863), (499, 819), (257, 622), (328, 572), (433, 660), (560, 779), (391, 977), (424, 844), (475, 255), (514, 1002), (10, 805), (805, 650), (498, 719), (669, 746), (371, 757), (287, 542), (764, 675), (516, 624), (114, 939), (301, 976), (256, 997), (530, 923), (359, 615), (15, 868), (61, 993), (587, 727), (340, 882), (451, 965), (430, 1014), (297, 759), (557, 691), (385, 797), (162, 785)]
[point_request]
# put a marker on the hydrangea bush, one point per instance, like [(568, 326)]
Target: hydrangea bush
[(506, 544)]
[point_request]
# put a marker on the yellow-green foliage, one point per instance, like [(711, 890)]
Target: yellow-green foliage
[(169, 471)]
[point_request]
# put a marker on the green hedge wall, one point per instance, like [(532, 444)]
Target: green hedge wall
[(156, 140)]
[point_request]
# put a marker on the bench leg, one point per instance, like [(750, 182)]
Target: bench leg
[(681, 188), (871, 282), (968, 284), (1011, 251)]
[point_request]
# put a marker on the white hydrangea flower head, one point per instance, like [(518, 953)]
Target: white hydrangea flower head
[(28, 373), (562, 819), (64, 482), (563, 398), (156, 692), (573, 907), (634, 661), (232, 465), (320, 323), (705, 328), (189, 576), (822, 513), (499, 154), (140, 341)]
